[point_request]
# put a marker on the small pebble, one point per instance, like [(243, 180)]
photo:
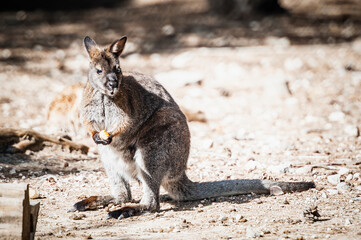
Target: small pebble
[(332, 191), (333, 179), (78, 216), (254, 232), (343, 187), (222, 218), (347, 222)]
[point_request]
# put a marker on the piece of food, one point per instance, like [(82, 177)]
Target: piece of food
[(104, 135)]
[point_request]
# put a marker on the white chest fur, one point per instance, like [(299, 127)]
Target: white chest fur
[(115, 165)]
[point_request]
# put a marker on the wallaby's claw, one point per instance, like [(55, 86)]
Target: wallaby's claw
[(86, 204), (98, 140), (72, 209), (124, 212)]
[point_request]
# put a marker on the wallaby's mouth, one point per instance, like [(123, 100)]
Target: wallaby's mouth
[(112, 92), (112, 87)]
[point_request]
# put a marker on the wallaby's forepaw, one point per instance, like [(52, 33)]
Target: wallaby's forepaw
[(86, 204), (124, 212), (98, 140)]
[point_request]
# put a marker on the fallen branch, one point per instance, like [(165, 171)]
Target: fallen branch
[(19, 140)]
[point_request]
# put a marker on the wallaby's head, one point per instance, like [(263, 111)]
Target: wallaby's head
[(105, 73)]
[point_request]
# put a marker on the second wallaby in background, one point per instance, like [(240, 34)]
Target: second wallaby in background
[(146, 138)]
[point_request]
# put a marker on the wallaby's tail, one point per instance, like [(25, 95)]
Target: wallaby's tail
[(184, 189)]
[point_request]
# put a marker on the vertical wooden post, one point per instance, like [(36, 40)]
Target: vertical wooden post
[(16, 215)]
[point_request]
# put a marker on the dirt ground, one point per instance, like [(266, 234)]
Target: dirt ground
[(279, 98)]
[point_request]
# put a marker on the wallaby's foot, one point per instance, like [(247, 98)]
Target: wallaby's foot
[(126, 211), (91, 203)]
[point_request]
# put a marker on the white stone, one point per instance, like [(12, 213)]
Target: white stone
[(324, 195), (343, 171), (342, 187), (348, 222), (334, 179), (356, 176), (332, 191), (349, 177), (282, 168), (254, 232)]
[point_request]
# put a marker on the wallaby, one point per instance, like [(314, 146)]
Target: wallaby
[(148, 140)]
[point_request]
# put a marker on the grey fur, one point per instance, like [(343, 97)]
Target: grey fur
[(151, 139)]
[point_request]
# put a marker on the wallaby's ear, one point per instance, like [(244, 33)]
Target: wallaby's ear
[(117, 47), (89, 44)]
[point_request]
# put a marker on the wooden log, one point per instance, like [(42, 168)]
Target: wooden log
[(17, 217), (20, 140)]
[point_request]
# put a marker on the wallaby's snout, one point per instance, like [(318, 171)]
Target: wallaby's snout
[(112, 83)]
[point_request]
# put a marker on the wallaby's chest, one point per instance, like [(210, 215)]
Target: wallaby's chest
[(107, 115)]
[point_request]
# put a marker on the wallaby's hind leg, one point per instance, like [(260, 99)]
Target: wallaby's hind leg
[(150, 182), (149, 201)]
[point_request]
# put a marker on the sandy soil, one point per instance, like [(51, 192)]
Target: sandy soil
[(280, 95)]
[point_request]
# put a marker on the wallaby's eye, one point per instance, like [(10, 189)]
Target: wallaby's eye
[(99, 71), (118, 69)]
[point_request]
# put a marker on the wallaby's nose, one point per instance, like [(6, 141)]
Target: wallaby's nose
[(112, 80), (113, 84)]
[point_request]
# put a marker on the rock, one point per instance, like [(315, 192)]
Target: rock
[(240, 218), (254, 232), (78, 216), (336, 117), (348, 222), (343, 171), (276, 191), (222, 218), (282, 168), (333, 179), (332, 191), (343, 187), (168, 30), (349, 177), (356, 176), (12, 171), (324, 195)]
